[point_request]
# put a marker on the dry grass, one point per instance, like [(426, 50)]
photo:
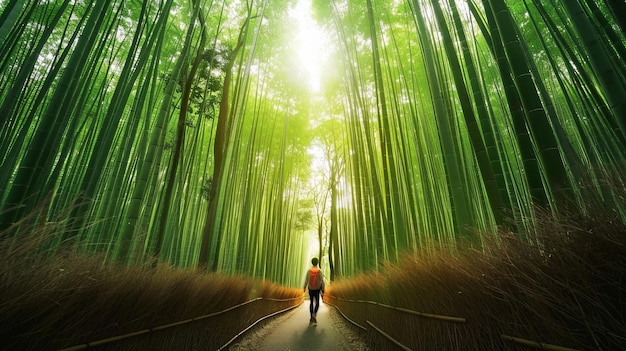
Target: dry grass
[(47, 303), (564, 285)]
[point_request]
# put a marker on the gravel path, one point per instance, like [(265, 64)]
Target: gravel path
[(292, 331)]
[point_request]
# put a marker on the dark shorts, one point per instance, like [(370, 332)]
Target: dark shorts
[(315, 292)]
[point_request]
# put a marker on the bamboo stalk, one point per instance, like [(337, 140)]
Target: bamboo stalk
[(346, 317), (396, 342), (106, 341), (433, 316), (255, 323), (401, 309), (537, 345), (423, 314)]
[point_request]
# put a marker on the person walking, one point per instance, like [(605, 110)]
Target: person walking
[(315, 281)]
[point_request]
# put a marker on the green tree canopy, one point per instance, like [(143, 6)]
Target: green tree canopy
[(182, 131)]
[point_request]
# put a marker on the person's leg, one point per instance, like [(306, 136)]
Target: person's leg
[(315, 303), (311, 307)]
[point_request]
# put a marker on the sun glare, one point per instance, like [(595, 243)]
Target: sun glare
[(311, 42)]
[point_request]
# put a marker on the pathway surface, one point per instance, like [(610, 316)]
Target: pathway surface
[(293, 332)]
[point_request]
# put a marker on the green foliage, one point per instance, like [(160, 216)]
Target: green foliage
[(434, 116)]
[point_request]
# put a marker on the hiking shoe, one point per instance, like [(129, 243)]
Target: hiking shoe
[(314, 320), (311, 320)]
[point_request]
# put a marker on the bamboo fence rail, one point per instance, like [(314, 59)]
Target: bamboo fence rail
[(186, 321), (517, 340)]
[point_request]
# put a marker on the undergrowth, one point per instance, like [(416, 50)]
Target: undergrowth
[(563, 284), (559, 284), (67, 299)]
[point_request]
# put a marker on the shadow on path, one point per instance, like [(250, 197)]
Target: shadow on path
[(295, 333)]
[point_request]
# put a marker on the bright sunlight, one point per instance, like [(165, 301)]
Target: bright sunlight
[(312, 45)]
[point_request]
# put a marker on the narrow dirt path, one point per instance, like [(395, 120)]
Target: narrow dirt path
[(292, 331)]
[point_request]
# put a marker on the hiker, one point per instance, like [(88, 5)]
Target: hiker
[(315, 281)]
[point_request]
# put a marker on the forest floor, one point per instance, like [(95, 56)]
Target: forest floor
[(292, 331)]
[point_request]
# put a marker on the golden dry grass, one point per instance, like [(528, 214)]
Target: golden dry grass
[(48, 303), (564, 286)]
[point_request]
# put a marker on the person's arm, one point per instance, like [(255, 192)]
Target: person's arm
[(306, 281), (323, 286)]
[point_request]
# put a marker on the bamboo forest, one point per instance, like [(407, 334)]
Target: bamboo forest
[(244, 137), (199, 132)]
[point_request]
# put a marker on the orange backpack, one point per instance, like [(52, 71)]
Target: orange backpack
[(315, 278)]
